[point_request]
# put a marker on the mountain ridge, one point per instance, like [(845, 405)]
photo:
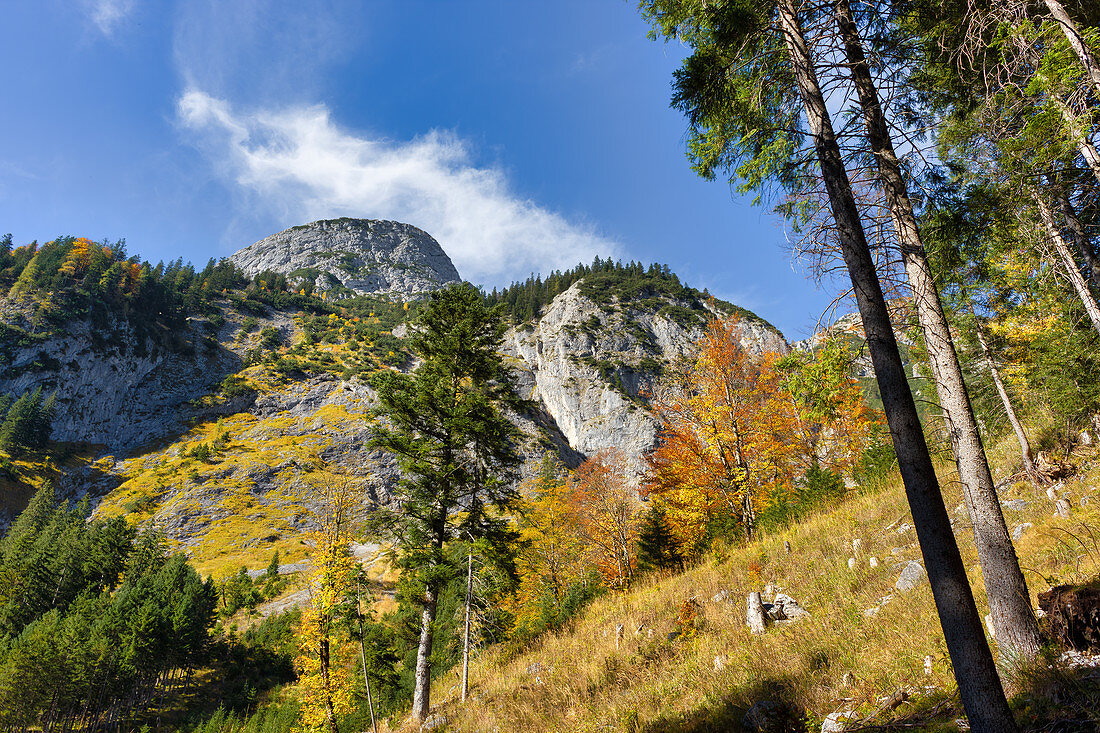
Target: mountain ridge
[(352, 256)]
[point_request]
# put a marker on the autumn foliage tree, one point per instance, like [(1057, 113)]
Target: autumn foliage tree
[(834, 422), (607, 510), (728, 436), (738, 430), (325, 682), (551, 560)]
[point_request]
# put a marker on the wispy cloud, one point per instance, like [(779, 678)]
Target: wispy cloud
[(303, 166), (254, 51), (107, 15)]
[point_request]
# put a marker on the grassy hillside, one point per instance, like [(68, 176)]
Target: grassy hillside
[(845, 656)]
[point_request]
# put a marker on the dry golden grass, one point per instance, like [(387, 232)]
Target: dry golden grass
[(587, 679)]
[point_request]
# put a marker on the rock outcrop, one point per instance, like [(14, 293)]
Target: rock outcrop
[(590, 366), (219, 431), (353, 256), (116, 389)]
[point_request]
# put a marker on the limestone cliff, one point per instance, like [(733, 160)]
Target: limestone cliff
[(353, 256), (590, 365), (218, 432)]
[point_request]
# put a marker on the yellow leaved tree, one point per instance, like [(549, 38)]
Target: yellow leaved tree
[(552, 555), (325, 662)]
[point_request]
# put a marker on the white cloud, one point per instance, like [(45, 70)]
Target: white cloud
[(108, 14), (300, 163)]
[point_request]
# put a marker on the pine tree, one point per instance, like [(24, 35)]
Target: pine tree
[(445, 424), (273, 566), (21, 429)]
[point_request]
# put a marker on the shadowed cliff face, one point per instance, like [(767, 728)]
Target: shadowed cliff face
[(353, 257)]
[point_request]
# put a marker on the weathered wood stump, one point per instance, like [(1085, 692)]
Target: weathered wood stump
[(755, 613), (1073, 613)]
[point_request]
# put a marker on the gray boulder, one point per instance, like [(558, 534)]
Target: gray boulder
[(764, 716), (911, 576), (838, 722), (784, 608)]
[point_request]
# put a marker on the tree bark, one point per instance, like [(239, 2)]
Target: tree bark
[(330, 713), (1089, 63), (754, 613), (1026, 456), (1069, 264), (363, 659), (1081, 241), (423, 679), (1087, 150), (979, 685), (1017, 628)]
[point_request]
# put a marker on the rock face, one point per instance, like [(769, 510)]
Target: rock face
[(120, 391), (223, 488), (589, 366), (360, 256)]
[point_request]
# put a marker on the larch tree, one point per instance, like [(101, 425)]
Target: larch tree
[(446, 425), (750, 81), (324, 679), (551, 558)]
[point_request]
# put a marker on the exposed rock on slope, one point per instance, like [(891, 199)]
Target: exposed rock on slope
[(296, 410), (364, 256), (115, 389), (589, 365)]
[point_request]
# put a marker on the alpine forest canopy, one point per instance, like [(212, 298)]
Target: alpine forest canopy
[(75, 279), (606, 282)]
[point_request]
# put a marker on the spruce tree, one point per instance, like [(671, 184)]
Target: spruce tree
[(19, 430), (657, 549), (445, 424)]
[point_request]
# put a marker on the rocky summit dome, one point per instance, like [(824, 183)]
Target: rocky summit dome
[(353, 256)]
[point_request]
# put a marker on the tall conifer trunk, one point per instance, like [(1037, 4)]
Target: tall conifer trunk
[(979, 685), (1017, 629), (1089, 63), (1069, 263), (1081, 241)]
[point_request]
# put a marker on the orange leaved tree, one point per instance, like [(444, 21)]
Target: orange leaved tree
[(729, 436), (606, 508)]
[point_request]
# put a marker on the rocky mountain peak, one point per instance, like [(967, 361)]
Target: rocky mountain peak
[(353, 257)]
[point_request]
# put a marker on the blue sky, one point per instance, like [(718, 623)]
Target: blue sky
[(524, 136)]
